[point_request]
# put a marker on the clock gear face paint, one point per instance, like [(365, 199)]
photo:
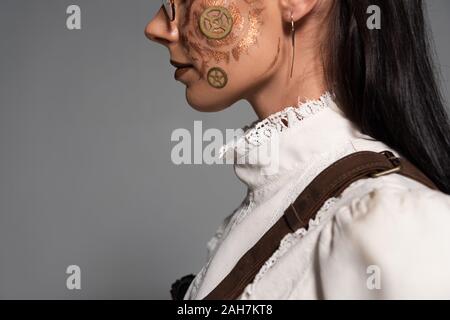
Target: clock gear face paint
[(217, 78), (219, 32), (216, 22)]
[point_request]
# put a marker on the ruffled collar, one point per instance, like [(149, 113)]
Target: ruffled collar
[(260, 131), (289, 139)]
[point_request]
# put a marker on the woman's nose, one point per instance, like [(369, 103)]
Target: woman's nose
[(161, 30)]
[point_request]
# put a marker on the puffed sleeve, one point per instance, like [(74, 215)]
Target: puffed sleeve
[(392, 243)]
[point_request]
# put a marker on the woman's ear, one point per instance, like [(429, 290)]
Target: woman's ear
[(296, 9)]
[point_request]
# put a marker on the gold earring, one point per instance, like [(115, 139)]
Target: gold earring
[(293, 43)]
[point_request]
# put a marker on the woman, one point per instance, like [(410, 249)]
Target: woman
[(325, 82)]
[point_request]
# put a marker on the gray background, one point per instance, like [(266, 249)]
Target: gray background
[(85, 172)]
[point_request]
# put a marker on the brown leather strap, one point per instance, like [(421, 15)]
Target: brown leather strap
[(329, 183)]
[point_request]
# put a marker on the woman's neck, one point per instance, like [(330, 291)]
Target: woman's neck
[(307, 83), (275, 96)]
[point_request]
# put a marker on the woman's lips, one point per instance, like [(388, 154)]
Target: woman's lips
[(182, 68), (181, 71), (177, 64)]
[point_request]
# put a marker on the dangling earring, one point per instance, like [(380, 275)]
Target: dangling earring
[(293, 43)]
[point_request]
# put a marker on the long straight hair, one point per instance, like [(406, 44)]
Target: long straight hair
[(385, 82)]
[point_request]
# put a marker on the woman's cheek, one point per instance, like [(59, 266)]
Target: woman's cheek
[(218, 33)]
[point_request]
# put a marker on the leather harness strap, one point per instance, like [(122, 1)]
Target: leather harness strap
[(329, 183)]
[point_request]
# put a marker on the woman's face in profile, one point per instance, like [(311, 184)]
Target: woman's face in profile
[(224, 50)]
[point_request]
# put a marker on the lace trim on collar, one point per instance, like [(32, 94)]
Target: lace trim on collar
[(261, 131)]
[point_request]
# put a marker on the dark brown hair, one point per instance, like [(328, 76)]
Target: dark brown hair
[(384, 81)]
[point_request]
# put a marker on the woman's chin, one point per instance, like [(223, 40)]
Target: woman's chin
[(203, 101)]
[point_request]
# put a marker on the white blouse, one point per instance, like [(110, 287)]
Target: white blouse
[(382, 238)]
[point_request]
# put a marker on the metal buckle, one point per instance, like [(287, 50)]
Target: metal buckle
[(395, 162)]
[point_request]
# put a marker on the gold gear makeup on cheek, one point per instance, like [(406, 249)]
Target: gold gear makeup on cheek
[(216, 23), (217, 78), (216, 31)]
